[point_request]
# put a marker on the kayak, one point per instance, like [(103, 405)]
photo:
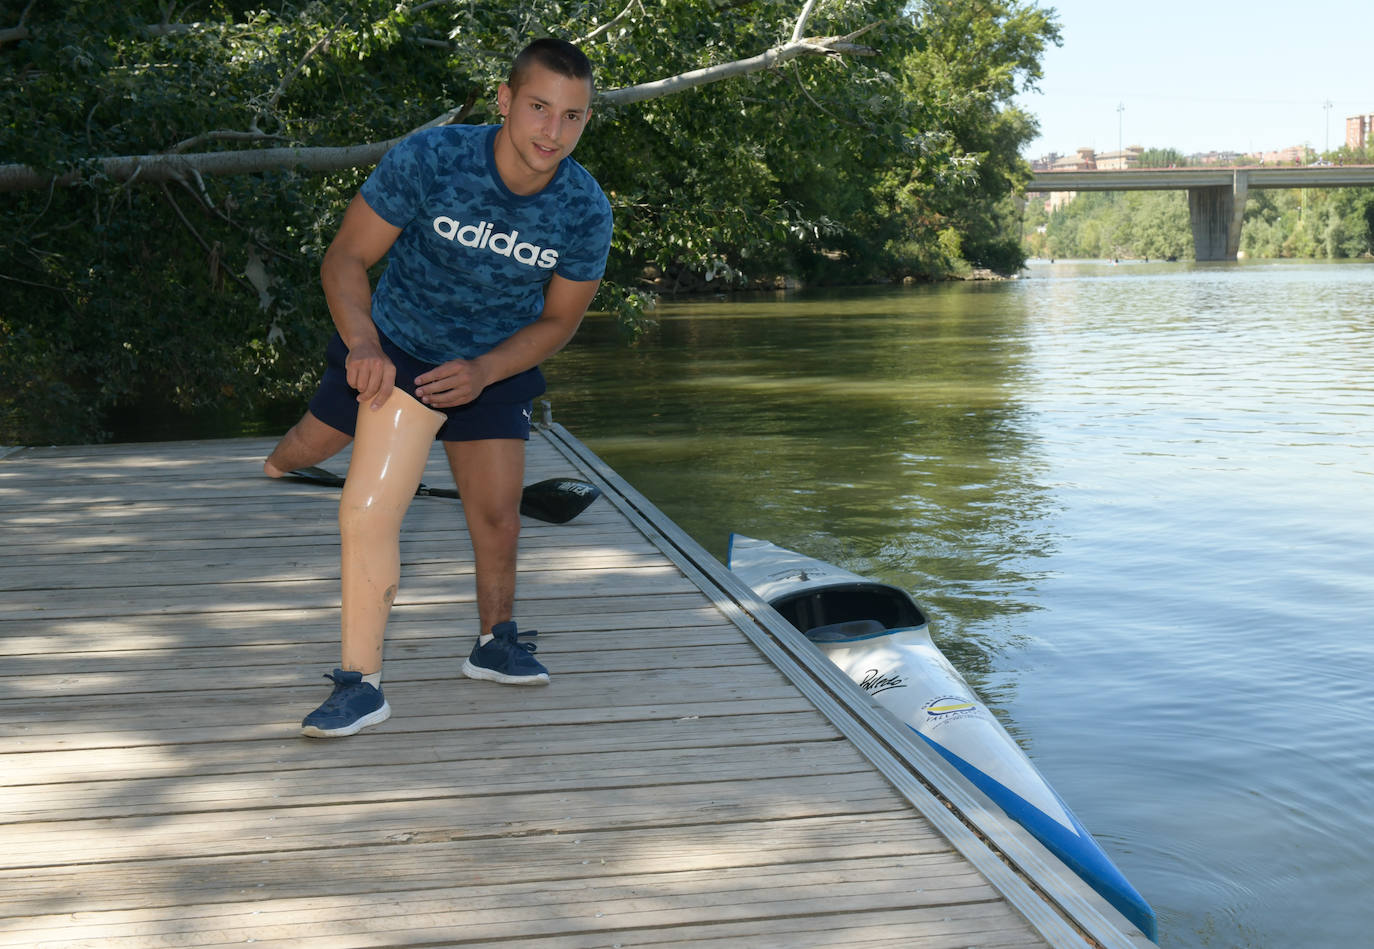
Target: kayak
[(878, 636)]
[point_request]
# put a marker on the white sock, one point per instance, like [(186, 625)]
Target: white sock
[(484, 639), (374, 680)]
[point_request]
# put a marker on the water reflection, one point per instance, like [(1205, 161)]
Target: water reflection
[(881, 430)]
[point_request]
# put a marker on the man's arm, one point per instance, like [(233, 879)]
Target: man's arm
[(363, 239), (462, 380)]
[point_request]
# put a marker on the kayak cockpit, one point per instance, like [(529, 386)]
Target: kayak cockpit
[(849, 611)]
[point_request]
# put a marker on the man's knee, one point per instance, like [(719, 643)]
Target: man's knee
[(307, 443), (491, 499), (499, 523)]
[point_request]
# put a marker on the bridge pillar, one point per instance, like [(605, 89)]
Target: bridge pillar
[(1216, 213)]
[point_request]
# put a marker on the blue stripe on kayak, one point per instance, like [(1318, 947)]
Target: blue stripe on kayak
[(1075, 846)]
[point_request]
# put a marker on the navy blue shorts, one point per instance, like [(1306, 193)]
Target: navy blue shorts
[(502, 410)]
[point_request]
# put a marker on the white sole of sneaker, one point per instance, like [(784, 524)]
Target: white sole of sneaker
[(371, 718), (490, 675)]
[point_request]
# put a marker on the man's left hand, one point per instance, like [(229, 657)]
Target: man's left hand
[(453, 383)]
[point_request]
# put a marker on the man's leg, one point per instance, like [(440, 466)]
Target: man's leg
[(490, 477), (309, 442), (388, 461)]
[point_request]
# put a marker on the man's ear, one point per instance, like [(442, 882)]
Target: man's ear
[(503, 97)]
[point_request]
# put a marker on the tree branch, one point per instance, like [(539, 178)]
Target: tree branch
[(452, 116), (800, 28), (769, 59), (168, 167), (221, 135), (19, 31), (612, 22), (321, 43)]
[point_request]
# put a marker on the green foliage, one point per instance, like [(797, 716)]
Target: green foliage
[(1162, 158), (1151, 225), (204, 292), (1312, 222)]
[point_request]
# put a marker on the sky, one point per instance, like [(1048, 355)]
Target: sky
[(1252, 75)]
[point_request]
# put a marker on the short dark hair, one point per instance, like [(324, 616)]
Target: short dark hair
[(556, 55)]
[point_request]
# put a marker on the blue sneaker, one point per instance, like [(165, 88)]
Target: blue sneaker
[(351, 707), (506, 660)]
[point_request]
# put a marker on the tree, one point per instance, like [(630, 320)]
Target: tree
[(1162, 158), (965, 133), (175, 170)]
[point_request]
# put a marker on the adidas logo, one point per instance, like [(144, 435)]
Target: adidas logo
[(484, 236)]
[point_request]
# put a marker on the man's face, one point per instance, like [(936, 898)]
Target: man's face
[(544, 118)]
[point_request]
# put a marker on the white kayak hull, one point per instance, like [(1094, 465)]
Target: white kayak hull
[(892, 657)]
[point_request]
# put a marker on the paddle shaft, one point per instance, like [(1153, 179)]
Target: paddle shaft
[(556, 500)]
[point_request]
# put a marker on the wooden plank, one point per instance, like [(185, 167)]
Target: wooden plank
[(453, 816), (204, 593), (244, 565), (633, 731), (415, 663), (321, 545), (545, 908), (496, 770), (421, 641), (413, 720), (112, 720), (289, 523), (651, 613), (214, 878)]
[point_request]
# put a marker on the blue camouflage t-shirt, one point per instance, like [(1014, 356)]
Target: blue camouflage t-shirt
[(472, 260)]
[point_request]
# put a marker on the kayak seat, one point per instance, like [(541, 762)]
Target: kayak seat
[(839, 632)]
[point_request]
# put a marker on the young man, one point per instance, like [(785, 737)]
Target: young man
[(496, 242)]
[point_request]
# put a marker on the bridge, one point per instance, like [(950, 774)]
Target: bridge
[(1216, 195)]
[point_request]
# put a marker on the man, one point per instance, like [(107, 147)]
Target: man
[(496, 242)]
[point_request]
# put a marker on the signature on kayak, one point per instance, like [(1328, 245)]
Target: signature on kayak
[(873, 682)]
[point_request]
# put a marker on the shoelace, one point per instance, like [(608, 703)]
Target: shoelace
[(340, 694), (515, 643)]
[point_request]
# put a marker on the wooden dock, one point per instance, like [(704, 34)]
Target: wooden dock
[(687, 779)]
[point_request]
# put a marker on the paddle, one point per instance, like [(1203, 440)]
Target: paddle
[(556, 500)]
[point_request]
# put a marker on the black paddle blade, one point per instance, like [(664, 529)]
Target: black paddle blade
[(317, 476), (557, 500)]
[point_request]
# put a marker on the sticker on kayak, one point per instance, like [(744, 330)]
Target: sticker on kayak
[(949, 708)]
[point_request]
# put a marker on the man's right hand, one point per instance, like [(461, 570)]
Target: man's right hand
[(363, 239), (371, 373)]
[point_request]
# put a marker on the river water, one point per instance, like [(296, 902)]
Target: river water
[(1138, 502)]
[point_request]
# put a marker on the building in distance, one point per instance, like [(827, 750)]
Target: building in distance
[(1359, 129)]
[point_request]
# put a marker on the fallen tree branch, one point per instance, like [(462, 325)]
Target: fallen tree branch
[(769, 59), (19, 31), (801, 20), (221, 135), (605, 27), (169, 167)]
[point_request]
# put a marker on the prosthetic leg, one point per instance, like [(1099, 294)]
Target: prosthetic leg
[(389, 454)]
